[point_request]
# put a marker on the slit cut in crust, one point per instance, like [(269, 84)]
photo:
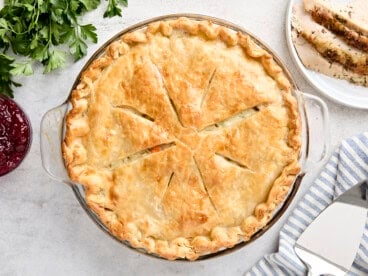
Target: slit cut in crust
[(232, 120)]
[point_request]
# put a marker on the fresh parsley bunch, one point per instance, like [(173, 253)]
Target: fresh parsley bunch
[(35, 29)]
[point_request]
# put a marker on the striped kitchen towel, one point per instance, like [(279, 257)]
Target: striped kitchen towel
[(347, 166)]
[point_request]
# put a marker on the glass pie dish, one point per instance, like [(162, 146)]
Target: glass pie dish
[(53, 128)]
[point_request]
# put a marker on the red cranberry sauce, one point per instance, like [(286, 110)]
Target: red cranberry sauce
[(15, 135)]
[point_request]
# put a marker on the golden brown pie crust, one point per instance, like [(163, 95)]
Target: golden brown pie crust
[(186, 136)]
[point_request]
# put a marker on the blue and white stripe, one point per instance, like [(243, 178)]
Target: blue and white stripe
[(347, 166)]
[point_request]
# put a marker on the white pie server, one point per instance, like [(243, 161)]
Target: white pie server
[(329, 244)]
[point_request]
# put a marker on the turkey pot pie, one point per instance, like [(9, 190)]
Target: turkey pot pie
[(186, 137)]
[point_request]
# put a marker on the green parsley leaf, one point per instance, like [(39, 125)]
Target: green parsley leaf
[(78, 48), (89, 32), (40, 53), (113, 8), (90, 4), (22, 69), (6, 65), (20, 44), (56, 60)]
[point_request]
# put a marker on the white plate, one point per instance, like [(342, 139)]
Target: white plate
[(340, 91)]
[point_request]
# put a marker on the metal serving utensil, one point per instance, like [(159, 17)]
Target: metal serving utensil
[(330, 243)]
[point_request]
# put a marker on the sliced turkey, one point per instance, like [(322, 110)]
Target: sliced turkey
[(314, 61), (328, 44), (346, 21)]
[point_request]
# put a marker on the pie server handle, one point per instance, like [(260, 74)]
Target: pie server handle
[(318, 134), (52, 127)]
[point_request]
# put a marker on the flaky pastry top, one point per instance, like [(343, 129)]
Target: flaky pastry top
[(186, 137)]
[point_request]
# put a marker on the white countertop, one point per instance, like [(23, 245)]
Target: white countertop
[(43, 229)]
